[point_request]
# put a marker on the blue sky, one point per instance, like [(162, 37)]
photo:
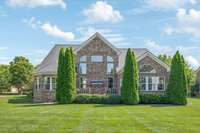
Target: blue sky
[(31, 27)]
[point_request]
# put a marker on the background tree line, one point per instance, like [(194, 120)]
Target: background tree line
[(18, 74)]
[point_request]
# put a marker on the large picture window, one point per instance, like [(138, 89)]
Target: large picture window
[(96, 58), (153, 83)]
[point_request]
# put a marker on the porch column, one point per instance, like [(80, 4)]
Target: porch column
[(37, 83), (51, 83)]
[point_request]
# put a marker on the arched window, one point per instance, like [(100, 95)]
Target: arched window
[(147, 69), (109, 59)]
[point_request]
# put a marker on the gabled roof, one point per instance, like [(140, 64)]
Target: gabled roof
[(100, 37), (49, 64), (140, 53)]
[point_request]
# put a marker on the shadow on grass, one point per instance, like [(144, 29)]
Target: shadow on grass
[(20, 100)]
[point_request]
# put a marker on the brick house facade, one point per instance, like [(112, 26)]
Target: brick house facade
[(100, 69)]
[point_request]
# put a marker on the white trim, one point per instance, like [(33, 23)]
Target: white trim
[(51, 83), (102, 38), (156, 84)]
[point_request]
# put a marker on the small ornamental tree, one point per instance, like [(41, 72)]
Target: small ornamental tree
[(21, 73), (60, 76), (177, 87), (129, 89)]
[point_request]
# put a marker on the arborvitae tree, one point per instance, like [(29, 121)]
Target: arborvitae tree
[(74, 70), (129, 90), (177, 90), (60, 81), (185, 79), (69, 77)]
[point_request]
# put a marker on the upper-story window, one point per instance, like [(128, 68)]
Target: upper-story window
[(83, 58), (96, 58), (109, 59), (147, 69)]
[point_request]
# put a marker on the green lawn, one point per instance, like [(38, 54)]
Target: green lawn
[(17, 115)]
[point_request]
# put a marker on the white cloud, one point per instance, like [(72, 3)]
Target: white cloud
[(52, 30), (168, 30), (33, 22), (36, 3), (193, 62), (165, 4), (115, 39), (193, 2), (156, 48), (102, 12), (3, 48), (187, 22)]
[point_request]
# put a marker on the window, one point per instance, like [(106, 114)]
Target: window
[(143, 83), (47, 83), (83, 58), (82, 68), (161, 83), (110, 68), (83, 83), (109, 59), (151, 83), (110, 82), (147, 69), (96, 58), (53, 83)]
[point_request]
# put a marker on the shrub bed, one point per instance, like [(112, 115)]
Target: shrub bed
[(109, 99), (153, 99), (96, 99)]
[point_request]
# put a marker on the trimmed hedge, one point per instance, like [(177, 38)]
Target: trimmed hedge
[(97, 99), (153, 99), (109, 99)]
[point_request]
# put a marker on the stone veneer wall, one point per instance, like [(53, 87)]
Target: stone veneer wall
[(160, 71), (97, 71), (44, 96)]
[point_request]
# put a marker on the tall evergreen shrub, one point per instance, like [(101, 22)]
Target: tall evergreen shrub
[(129, 89), (60, 82), (177, 87)]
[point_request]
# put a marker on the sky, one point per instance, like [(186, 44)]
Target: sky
[(31, 28)]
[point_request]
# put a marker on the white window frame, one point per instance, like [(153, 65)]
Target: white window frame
[(156, 84)]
